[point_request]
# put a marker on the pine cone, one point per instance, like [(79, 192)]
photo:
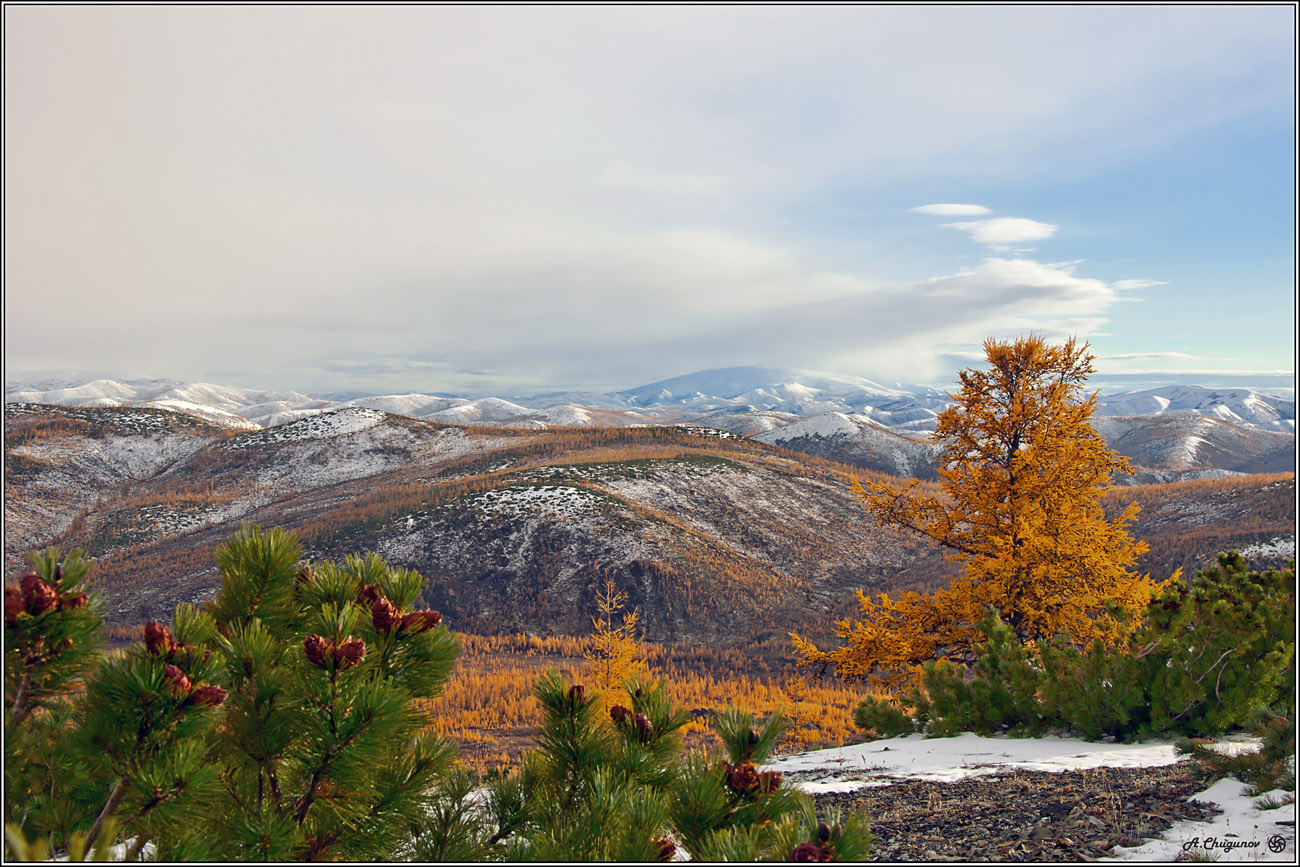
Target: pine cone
[(180, 683), (316, 649), (420, 621), (369, 594), (71, 602), (208, 696), (810, 852), (383, 615), (158, 639), (769, 781), (643, 727), (823, 831), (618, 713), (350, 652), (577, 696), (13, 604), (665, 849), (743, 779), (303, 576), (38, 596)]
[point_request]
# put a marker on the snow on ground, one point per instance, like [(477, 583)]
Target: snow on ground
[(1241, 833), (1280, 546), (315, 426), (967, 755), (561, 500)]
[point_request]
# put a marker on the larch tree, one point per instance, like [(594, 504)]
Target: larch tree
[(615, 650), (1022, 472)]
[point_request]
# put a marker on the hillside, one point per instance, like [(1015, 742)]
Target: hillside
[(1160, 448), (514, 527), (718, 539)]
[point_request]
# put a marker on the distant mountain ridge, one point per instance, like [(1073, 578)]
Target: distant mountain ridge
[(696, 398)]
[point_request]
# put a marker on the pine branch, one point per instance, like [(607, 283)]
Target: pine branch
[(110, 806)]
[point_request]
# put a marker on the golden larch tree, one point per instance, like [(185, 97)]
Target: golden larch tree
[(1023, 472), (615, 651)]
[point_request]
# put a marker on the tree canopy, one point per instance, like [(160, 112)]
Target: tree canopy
[(1022, 472)]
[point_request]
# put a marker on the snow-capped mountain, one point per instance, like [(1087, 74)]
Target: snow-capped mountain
[(1241, 405), (804, 392), (746, 400), (227, 406), (857, 440)]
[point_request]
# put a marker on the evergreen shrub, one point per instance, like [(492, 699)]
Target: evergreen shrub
[(1205, 659)]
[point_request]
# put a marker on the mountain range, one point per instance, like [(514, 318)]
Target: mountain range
[(751, 398), (718, 538), (1169, 434)]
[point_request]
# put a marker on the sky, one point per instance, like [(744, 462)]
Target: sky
[(511, 200)]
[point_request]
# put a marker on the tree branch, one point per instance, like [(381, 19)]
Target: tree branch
[(110, 806)]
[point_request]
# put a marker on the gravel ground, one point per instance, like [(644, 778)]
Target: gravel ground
[(1024, 815)]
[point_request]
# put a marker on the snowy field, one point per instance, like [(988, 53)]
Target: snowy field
[(1240, 833)]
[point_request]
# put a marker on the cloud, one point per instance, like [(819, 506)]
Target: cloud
[(1125, 285), (949, 210), (1005, 231), (906, 331), (378, 185), (1144, 356), (623, 175)]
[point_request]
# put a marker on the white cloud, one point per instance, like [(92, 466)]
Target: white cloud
[(950, 210), (1143, 356), (1138, 284), (623, 175), (510, 187), (1005, 231)]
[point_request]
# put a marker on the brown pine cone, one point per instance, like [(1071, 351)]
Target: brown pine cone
[(179, 682), (209, 695), (369, 594), (158, 639), (618, 713), (316, 649), (383, 615), (810, 852), (72, 602), (38, 596), (350, 652), (13, 604), (421, 621), (742, 778), (666, 849)]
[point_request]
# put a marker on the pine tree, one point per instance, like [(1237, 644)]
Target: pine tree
[(51, 642), (286, 721), (608, 783), (1022, 472), (1220, 649)]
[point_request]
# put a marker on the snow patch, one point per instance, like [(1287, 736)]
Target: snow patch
[(556, 500)]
